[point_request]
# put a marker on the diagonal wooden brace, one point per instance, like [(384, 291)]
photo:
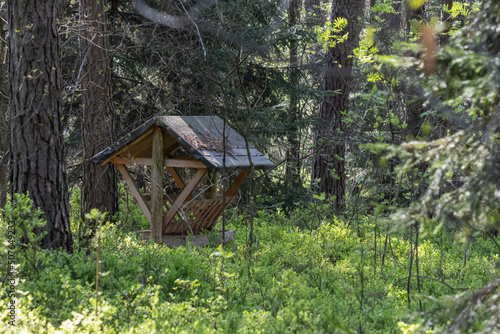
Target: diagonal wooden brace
[(178, 180), (242, 176), (182, 197), (133, 188)]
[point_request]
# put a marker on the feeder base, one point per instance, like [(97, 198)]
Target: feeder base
[(198, 240)]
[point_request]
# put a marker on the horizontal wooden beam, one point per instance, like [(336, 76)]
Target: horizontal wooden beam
[(185, 163), (183, 157), (134, 161), (168, 162)]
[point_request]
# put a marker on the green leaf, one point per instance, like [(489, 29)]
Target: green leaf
[(320, 197), (415, 4)]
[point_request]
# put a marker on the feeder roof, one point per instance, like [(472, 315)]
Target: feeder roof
[(200, 136)]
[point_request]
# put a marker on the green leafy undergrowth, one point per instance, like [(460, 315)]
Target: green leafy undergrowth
[(291, 280)]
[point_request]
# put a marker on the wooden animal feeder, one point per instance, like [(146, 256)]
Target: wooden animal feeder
[(174, 142)]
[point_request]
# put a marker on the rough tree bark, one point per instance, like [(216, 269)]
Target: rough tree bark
[(329, 160), (99, 182), (37, 142)]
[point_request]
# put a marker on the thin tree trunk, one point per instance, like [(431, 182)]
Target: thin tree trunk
[(293, 166), (98, 115), (408, 285), (37, 141), (329, 161), (224, 173), (414, 92), (417, 231), (4, 105), (157, 185), (375, 250)]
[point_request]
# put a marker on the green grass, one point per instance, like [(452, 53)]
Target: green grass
[(290, 281)]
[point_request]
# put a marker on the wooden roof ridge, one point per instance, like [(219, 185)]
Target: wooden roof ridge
[(200, 136)]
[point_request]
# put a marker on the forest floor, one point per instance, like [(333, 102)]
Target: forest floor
[(326, 280)]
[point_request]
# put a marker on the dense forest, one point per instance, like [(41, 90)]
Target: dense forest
[(381, 213)]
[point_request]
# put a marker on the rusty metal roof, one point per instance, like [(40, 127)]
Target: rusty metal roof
[(199, 136)]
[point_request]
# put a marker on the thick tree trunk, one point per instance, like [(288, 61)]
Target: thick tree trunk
[(329, 161), (293, 165), (37, 139), (99, 182)]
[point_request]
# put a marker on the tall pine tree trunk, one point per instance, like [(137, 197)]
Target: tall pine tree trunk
[(329, 160), (99, 182), (37, 141)]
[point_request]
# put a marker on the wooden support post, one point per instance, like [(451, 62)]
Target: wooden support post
[(182, 163), (133, 161), (182, 196), (133, 188), (237, 182), (157, 186)]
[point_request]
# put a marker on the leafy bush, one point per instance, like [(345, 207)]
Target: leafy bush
[(322, 280)]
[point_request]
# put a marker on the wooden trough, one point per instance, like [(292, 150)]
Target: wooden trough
[(188, 142)]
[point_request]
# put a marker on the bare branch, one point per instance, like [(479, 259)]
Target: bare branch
[(192, 15)]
